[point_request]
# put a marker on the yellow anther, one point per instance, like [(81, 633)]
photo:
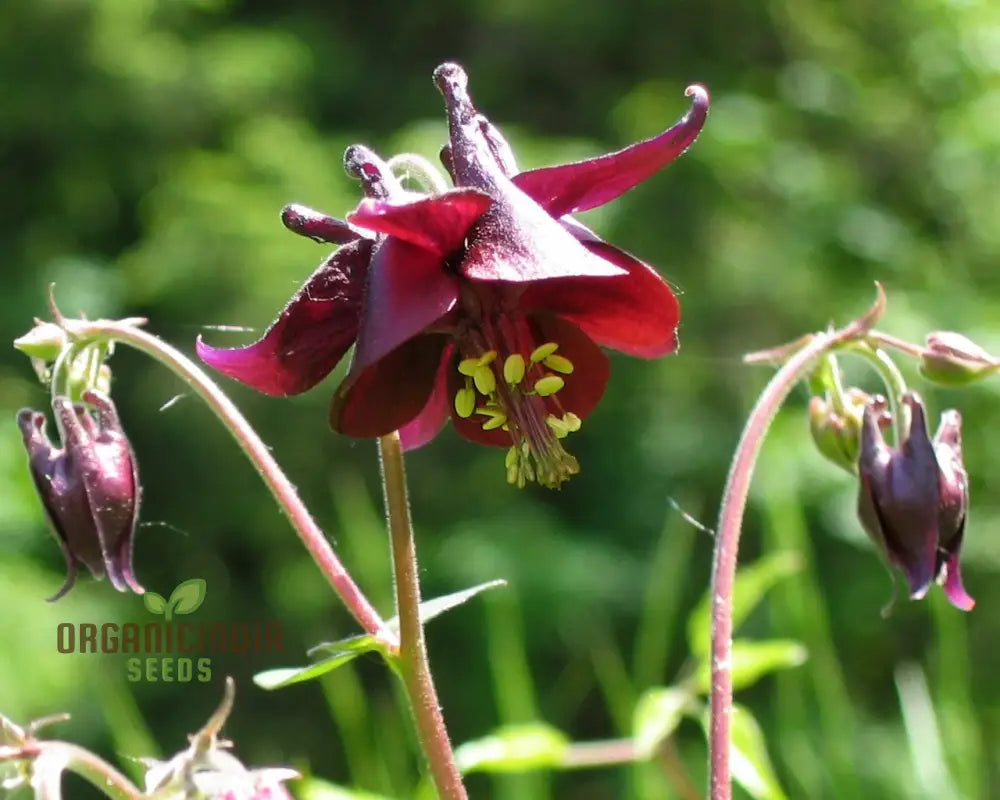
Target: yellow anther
[(543, 351), (465, 402), (549, 385), (513, 369), (511, 459), (514, 476), (495, 422), (572, 422), (559, 427), (558, 363), (490, 411), (468, 366), (486, 381)]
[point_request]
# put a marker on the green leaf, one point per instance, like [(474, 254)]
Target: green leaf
[(318, 789), (753, 660), (657, 715), (341, 653), (514, 748), (346, 650), (752, 583), (155, 604), (188, 596), (436, 607), (749, 760)]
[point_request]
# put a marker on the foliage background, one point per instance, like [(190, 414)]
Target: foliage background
[(145, 150)]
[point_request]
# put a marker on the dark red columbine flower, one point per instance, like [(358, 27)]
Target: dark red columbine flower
[(89, 487), (913, 500), (487, 302)]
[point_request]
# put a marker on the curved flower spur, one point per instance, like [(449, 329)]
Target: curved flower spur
[(485, 303)]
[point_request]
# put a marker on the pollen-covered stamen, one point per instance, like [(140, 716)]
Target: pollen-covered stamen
[(518, 393), (465, 400)]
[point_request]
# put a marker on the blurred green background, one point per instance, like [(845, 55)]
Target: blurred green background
[(146, 149)]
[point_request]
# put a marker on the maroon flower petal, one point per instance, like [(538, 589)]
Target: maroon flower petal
[(428, 423), (438, 224), (389, 393), (570, 188), (636, 313), (408, 291), (310, 336)]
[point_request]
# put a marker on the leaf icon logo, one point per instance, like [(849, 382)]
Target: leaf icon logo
[(185, 599)]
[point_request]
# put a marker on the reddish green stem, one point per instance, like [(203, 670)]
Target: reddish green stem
[(797, 367), (414, 668), (260, 456)]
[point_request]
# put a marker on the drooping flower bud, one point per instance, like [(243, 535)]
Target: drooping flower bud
[(838, 435), (951, 359), (913, 500), (89, 487)]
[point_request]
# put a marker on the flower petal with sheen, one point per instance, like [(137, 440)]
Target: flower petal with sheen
[(570, 188), (407, 292), (438, 223), (389, 393), (428, 423), (311, 334), (636, 313)]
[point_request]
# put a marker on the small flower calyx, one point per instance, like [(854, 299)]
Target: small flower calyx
[(913, 499), (951, 359), (207, 771)]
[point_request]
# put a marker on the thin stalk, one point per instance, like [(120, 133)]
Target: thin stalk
[(413, 666), (895, 385), (254, 448), (60, 756), (727, 539)]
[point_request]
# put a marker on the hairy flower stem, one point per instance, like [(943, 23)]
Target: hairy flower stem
[(734, 501), (413, 667), (255, 449), (62, 756)]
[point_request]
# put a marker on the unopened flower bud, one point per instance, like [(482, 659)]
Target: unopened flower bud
[(45, 341), (838, 435), (951, 359), (913, 500), (89, 487)]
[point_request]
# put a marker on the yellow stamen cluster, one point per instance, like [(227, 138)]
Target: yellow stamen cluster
[(506, 395)]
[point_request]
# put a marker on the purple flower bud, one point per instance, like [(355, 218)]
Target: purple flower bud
[(913, 500), (89, 487)]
